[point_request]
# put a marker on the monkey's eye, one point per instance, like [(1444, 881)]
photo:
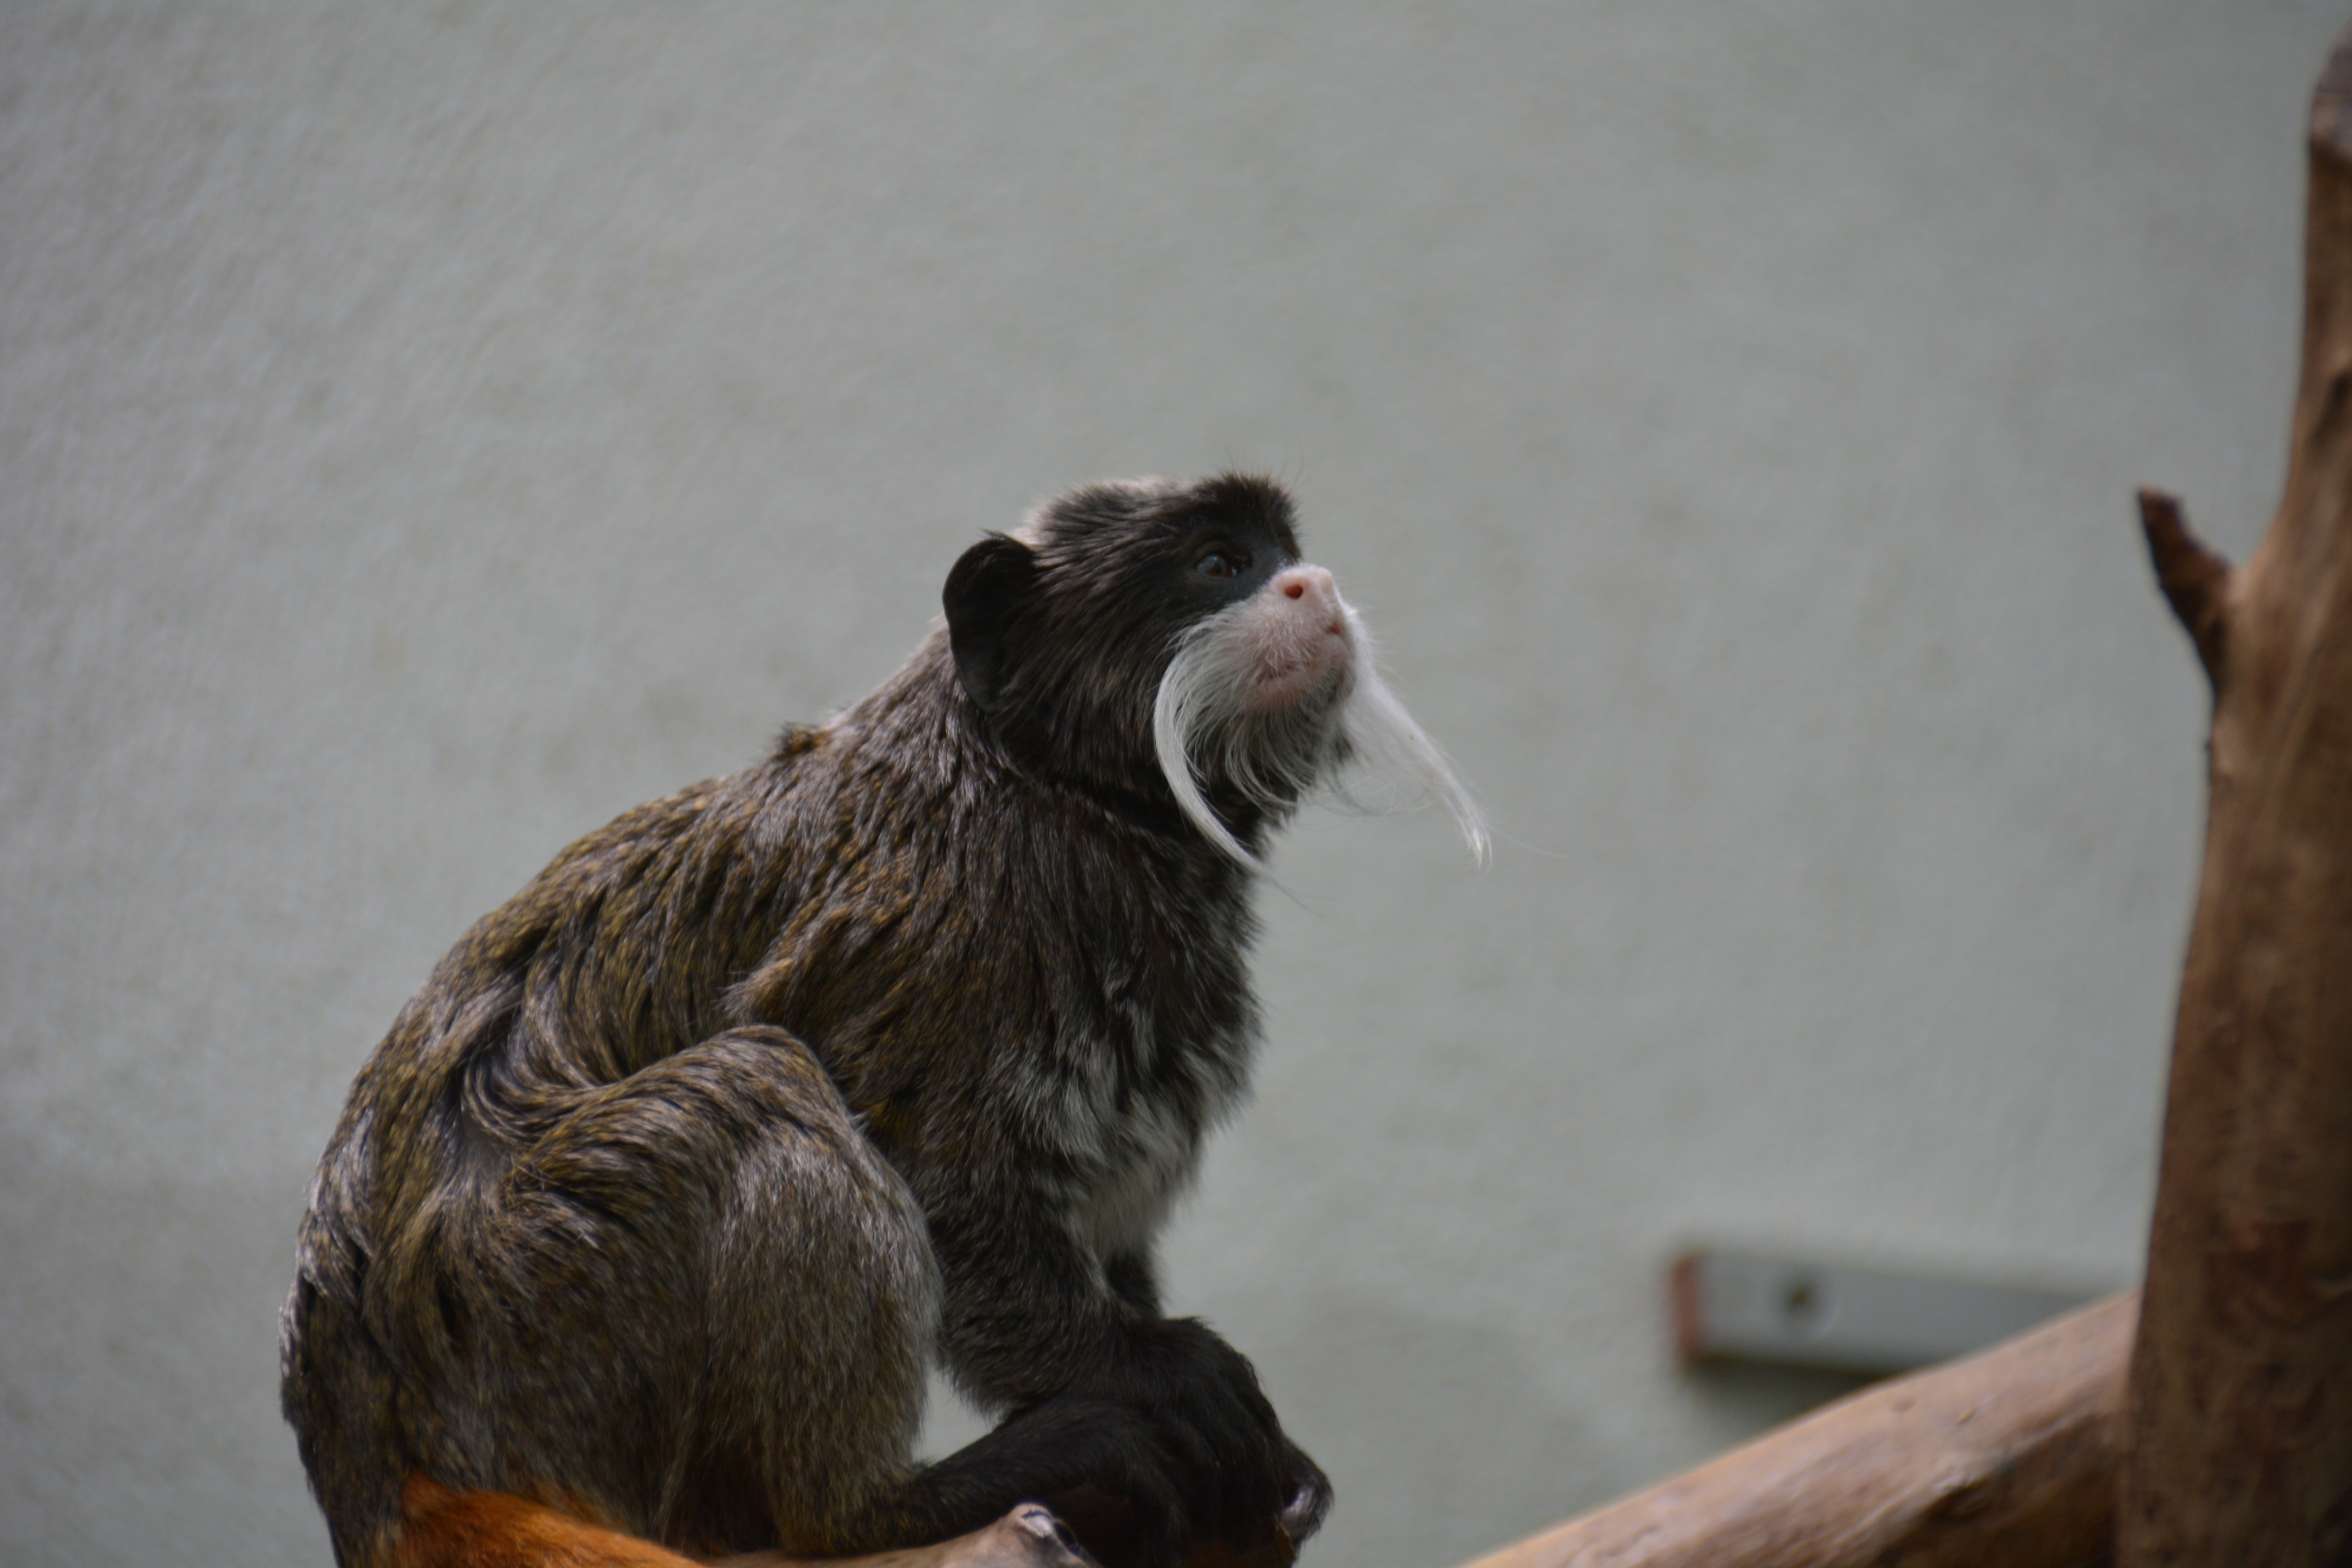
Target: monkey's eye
[(1223, 563)]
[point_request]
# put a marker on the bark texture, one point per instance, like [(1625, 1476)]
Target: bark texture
[(1028, 1537), (2005, 1457), (2238, 1448)]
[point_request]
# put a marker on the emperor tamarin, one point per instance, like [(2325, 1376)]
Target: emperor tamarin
[(659, 1198)]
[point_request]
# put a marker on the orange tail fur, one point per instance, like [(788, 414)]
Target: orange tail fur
[(445, 1529)]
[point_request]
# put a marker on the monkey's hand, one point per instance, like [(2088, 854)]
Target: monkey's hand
[(1153, 1423), (1238, 1476)]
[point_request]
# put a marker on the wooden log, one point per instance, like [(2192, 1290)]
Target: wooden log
[(2007, 1458), (1031, 1536), (1028, 1537), (2239, 1444)]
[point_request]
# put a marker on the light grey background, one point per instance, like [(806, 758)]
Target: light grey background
[(426, 432)]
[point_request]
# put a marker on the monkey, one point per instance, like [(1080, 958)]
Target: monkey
[(658, 1201)]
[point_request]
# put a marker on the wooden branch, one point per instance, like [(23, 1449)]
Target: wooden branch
[(2240, 1434), (2195, 581), (2005, 1457), (1031, 1536), (1028, 1537)]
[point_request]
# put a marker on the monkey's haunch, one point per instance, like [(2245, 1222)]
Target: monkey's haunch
[(650, 1212)]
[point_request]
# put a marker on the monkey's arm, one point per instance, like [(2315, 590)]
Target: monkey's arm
[(1035, 1324), (1134, 1279)]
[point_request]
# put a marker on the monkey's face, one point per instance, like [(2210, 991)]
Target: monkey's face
[(1290, 642), (1164, 640)]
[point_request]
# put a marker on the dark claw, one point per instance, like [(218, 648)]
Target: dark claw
[(1045, 1525), (1303, 1515)]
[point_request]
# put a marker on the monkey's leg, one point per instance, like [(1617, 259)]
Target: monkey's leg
[(698, 1309)]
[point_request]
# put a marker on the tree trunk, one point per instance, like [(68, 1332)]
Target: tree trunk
[(2239, 1444)]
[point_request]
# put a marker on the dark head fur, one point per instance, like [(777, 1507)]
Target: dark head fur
[(1101, 652)]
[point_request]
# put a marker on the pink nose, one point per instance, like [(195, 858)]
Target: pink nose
[(1311, 584)]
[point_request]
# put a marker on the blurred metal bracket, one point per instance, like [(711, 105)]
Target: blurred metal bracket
[(1748, 1306)]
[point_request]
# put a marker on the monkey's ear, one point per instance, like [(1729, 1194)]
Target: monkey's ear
[(993, 576)]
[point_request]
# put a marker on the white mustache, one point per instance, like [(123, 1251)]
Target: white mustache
[(1352, 745)]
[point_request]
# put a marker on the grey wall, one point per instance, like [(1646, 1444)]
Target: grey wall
[(424, 433)]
